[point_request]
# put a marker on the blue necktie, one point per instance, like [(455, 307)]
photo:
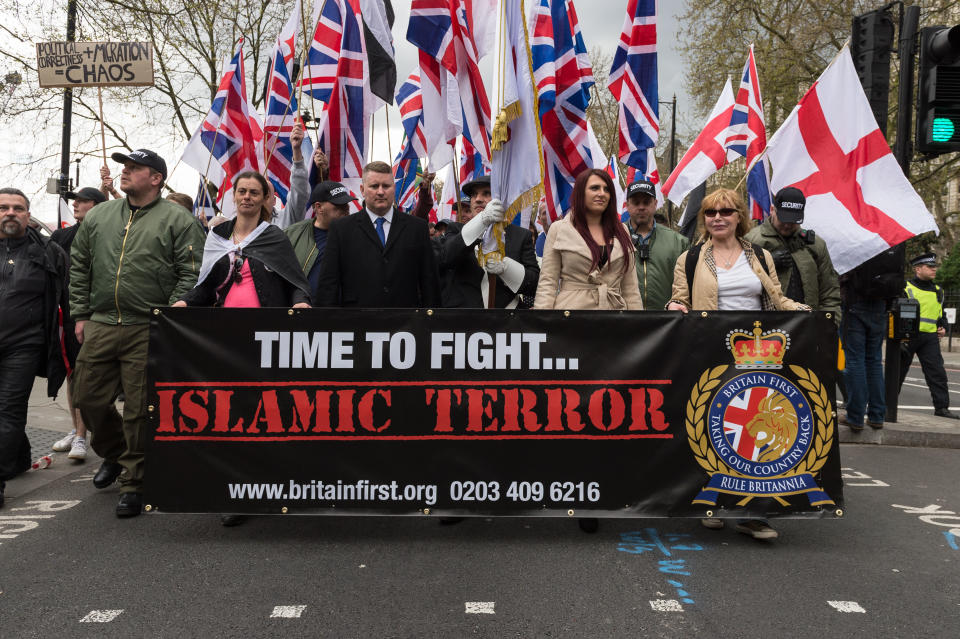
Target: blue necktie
[(383, 238)]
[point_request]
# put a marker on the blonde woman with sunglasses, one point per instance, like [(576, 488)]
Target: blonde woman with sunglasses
[(729, 273)]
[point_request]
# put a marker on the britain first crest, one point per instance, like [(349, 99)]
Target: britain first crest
[(759, 433)]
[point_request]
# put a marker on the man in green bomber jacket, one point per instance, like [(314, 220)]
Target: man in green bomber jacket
[(803, 264), (130, 256), (657, 246)]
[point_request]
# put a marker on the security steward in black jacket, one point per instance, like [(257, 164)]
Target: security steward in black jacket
[(33, 273)]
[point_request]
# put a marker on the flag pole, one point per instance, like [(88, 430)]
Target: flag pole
[(103, 135), (386, 113)]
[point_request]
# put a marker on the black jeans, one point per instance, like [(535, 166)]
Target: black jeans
[(18, 367)]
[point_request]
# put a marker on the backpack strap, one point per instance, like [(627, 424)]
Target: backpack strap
[(758, 251), (690, 265)]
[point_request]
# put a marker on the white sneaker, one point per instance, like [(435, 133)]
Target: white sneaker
[(79, 449), (63, 445)]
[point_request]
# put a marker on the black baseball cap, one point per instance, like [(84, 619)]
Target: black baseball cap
[(471, 187), (86, 193), (929, 259), (465, 199), (144, 157), (642, 187), (330, 192), (790, 203)]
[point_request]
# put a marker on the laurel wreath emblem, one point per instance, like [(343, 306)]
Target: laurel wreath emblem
[(697, 424)]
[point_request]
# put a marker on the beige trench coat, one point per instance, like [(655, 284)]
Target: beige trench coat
[(705, 281), (566, 282)]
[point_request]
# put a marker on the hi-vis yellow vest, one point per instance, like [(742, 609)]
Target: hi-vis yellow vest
[(930, 307)]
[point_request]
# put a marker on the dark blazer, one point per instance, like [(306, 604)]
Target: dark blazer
[(467, 275), (358, 271)]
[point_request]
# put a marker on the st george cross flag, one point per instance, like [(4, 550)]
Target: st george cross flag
[(748, 137), (448, 195), (633, 82), (281, 115), (410, 103), (858, 199), (707, 153), (229, 139), (517, 173), (561, 69)]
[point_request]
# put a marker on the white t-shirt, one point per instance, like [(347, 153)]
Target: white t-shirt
[(738, 288)]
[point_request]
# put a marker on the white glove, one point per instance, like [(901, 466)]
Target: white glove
[(493, 212), (496, 268)]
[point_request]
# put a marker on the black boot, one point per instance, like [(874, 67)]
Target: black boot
[(108, 473)]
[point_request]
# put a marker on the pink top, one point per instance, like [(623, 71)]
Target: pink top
[(243, 294)]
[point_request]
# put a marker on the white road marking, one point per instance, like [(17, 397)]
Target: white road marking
[(287, 612), (949, 390), (666, 605), (479, 607), (101, 616), (847, 606)]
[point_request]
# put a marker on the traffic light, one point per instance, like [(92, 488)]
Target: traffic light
[(938, 97), (870, 47)]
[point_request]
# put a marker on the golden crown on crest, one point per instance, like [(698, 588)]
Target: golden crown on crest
[(759, 349)]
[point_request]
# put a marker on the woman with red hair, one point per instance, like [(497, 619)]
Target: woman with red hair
[(588, 258)]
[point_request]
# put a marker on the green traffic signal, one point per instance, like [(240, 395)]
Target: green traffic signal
[(943, 129)]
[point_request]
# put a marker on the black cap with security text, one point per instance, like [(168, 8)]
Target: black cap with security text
[(641, 187), (144, 157), (330, 191), (790, 203)]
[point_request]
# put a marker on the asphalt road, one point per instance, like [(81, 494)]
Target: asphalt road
[(888, 568)]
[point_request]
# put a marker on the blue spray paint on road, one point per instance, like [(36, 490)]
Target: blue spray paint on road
[(639, 542)]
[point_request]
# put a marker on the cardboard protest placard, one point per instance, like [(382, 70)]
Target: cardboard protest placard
[(99, 64)]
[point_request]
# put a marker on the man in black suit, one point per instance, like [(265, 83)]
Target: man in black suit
[(379, 257), (505, 280)]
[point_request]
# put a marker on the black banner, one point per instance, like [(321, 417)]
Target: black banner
[(533, 413)]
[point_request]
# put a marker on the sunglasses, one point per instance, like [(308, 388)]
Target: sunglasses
[(715, 212), (237, 268)]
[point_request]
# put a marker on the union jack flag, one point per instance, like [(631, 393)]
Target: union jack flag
[(471, 162), (281, 115), (647, 171), (228, 140), (748, 137), (633, 82), (410, 103), (320, 72), (561, 70), (287, 40), (344, 122), (442, 30), (406, 177)]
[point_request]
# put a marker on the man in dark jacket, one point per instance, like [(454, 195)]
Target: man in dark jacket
[(329, 201), (130, 255), (505, 280), (32, 279), (75, 443), (804, 267), (657, 246), (379, 257)]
